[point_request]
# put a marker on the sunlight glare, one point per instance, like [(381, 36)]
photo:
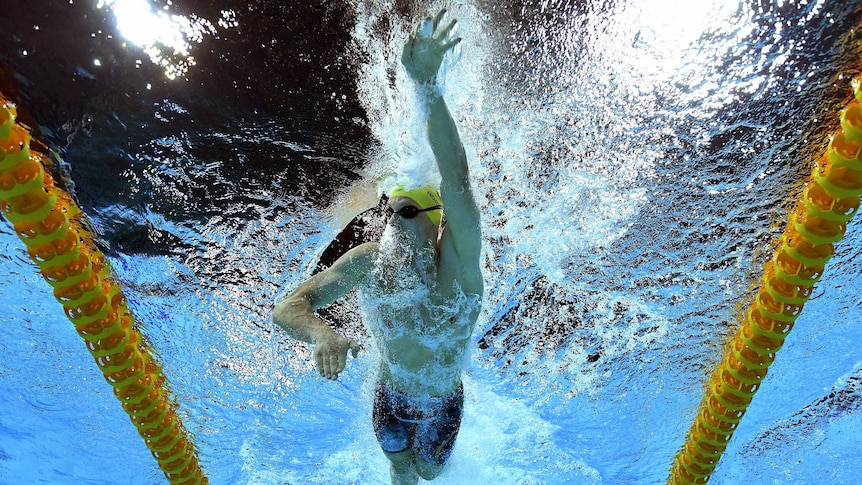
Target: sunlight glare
[(167, 39), (673, 28)]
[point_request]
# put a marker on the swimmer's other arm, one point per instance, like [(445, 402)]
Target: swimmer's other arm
[(295, 314)]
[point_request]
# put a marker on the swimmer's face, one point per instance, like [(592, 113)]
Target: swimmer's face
[(400, 210)]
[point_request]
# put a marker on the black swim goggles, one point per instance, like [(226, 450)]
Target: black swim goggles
[(409, 211)]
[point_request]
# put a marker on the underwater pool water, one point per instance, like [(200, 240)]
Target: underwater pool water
[(633, 161)]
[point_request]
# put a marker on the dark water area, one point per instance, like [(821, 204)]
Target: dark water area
[(283, 58), (272, 102)]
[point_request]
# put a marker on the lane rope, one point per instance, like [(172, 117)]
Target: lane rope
[(818, 221), (49, 223)]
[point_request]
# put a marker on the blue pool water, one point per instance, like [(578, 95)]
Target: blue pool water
[(633, 162)]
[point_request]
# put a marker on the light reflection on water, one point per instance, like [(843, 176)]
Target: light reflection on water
[(166, 38)]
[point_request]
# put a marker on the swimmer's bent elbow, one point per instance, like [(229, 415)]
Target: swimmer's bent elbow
[(291, 312)]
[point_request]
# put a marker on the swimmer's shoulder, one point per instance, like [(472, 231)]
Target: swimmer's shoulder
[(353, 266), (364, 250), (361, 257)]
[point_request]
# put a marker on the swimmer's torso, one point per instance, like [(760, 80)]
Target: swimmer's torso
[(423, 332)]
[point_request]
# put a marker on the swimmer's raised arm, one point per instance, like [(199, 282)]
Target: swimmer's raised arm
[(295, 314), (422, 55), (462, 213)]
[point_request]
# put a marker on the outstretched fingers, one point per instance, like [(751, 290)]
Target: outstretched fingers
[(445, 31), (439, 17), (319, 362), (408, 46), (450, 44), (336, 365)]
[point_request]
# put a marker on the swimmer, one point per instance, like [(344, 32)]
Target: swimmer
[(420, 290)]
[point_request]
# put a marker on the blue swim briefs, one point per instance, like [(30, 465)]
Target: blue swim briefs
[(428, 425)]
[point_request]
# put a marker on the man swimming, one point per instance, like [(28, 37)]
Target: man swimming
[(420, 289)]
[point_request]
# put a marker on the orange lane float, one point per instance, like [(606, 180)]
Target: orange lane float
[(48, 221), (819, 220)]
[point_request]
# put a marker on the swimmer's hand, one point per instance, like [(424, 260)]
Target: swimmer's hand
[(427, 45), (330, 353)]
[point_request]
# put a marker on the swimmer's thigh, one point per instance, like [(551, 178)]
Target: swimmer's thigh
[(435, 437), (394, 435)]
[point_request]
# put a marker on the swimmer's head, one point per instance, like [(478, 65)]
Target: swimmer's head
[(426, 197)]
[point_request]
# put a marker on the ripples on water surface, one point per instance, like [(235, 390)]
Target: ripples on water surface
[(633, 162)]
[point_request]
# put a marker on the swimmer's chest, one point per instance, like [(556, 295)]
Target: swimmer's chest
[(418, 312), (415, 337), (421, 317)]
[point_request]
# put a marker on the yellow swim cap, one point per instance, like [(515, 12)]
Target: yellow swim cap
[(426, 197)]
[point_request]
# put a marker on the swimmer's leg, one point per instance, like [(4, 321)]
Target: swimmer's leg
[(435, 437), (395, 437), (403, 467), (428, 471)]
